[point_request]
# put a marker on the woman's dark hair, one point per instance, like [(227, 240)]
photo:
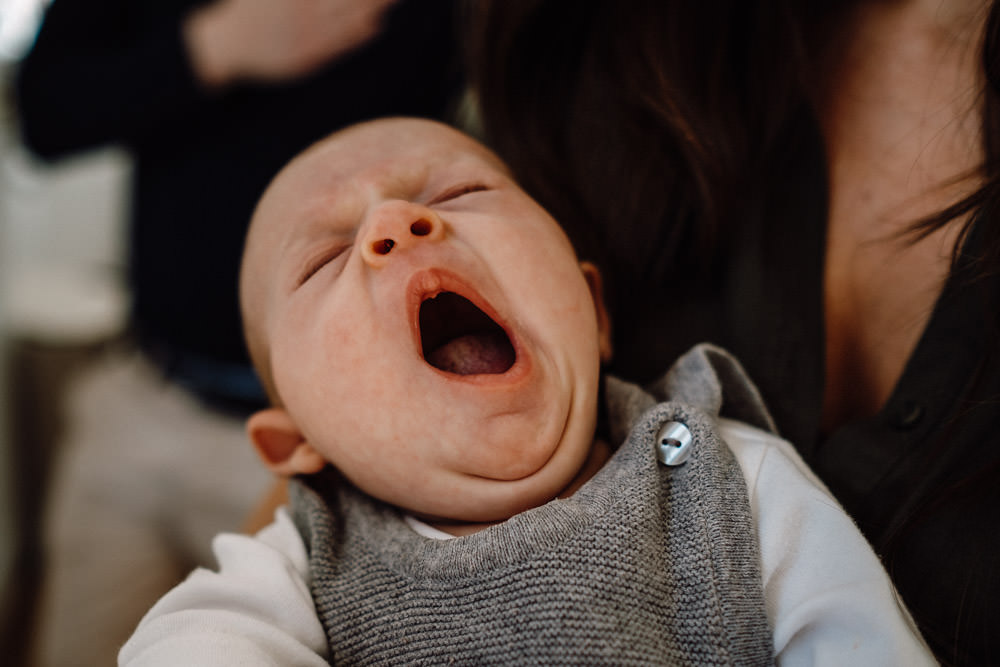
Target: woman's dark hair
[(983, 204), (671, 107), (615, 114)]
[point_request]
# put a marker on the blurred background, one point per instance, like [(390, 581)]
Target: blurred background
[(62, 297), (124, 382)]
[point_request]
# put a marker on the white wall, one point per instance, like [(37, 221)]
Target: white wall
[(62, 263)]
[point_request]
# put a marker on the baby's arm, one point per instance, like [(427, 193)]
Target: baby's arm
[(828, 599), (256, 609)]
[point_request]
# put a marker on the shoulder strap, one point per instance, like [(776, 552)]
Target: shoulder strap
[(712, 379)]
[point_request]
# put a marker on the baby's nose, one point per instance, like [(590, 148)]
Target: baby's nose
[(396, 226)]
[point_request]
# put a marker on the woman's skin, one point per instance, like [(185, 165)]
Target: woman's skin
[(901, 120)]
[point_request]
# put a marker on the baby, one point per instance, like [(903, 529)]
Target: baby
[(432, 348)]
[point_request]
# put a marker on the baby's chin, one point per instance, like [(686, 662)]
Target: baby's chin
[(461, 519), (473, 503)]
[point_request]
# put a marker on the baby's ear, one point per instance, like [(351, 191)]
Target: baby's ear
[(281, 445), (593, 277)]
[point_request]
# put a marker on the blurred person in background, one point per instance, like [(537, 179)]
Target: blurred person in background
[(211, 99)]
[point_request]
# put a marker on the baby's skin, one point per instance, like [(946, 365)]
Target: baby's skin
[(423, 325)]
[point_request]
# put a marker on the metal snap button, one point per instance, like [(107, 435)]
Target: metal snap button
[(673, 444), (909, 415)]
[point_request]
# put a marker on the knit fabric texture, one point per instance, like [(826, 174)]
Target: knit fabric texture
[(645, 564)]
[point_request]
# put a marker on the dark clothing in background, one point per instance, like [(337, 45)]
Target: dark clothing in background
[(922, 477), (116, 71)]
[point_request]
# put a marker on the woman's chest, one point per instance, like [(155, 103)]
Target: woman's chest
[(879, 292)]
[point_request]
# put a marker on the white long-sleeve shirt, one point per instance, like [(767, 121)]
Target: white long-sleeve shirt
[(827, 597)]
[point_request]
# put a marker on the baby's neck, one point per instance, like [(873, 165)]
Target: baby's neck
[(600, 452)]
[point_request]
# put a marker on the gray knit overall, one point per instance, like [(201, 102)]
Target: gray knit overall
[(645, 564)]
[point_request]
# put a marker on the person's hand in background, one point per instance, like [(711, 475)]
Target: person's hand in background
[(264, 40)]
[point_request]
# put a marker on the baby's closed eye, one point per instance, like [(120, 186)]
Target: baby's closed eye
[(456, 192), (319, 262)]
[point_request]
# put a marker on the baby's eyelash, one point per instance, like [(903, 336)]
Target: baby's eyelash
[(319, 263), (457, 192)]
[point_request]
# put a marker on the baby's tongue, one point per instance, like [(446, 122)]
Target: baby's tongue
[(473, 354)]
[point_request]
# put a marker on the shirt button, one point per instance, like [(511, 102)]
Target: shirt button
[(909, 415), (673, 444)]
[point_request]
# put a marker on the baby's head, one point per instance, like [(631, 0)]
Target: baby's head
[(421, 324)]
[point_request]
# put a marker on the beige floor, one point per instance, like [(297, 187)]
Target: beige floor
[(144, 477)]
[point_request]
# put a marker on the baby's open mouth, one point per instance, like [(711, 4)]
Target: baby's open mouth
[(457, 337)]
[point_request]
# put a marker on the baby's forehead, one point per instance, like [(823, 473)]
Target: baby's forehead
[(394, 165), (396, 158), (331, 181)]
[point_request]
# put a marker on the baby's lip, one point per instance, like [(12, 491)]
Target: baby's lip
[(461, 336)]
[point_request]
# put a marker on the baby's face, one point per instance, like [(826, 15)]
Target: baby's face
[(426, 324)]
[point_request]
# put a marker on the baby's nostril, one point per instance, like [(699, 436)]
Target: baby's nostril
[(383, 247), (420, 228)]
